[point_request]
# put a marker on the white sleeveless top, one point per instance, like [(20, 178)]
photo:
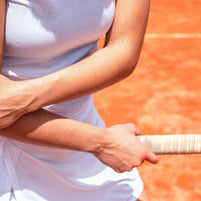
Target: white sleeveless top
[(44, 36)]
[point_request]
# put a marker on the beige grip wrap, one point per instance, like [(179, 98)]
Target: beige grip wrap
[(173, 144)]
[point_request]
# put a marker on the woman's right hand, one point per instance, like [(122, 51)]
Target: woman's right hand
[(122, 151)]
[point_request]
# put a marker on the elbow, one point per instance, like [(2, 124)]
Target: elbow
[(126, 70), (130, 64), (132, 55), (127, 57), (123, 59)]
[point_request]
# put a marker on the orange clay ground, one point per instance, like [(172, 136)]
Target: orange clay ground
[(163, 96)]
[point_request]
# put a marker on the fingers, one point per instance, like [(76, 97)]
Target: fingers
[(152, 158), (134, 129), (126, 151), (138, 132)]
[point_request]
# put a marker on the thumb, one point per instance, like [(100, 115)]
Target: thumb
[(138, 132), (152, 158)]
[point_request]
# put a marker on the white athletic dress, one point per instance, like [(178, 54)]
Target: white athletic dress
[(44, 36)]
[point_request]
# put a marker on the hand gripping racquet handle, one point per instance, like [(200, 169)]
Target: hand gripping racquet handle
[(173, 144)]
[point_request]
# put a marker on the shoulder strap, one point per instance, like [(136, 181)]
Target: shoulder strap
[(2, 17)]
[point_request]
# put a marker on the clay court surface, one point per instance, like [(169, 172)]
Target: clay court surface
[(163, 96)]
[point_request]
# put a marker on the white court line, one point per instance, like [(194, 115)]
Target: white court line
[(173, 35)]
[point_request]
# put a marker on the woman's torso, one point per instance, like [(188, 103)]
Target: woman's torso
[(44, 36)]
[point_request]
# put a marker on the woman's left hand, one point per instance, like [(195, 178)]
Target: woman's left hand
[(13, 101)]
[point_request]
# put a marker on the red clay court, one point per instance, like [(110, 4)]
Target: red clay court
[(163, 96)]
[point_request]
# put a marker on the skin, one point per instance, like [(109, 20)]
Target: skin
[(103, 68), (116, 146), (2, 14)]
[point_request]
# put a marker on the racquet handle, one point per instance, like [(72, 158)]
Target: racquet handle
[(172, 144)]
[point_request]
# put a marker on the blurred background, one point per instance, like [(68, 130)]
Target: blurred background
[(163, 96)]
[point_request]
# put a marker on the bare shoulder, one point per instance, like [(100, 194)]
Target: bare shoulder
[(2, 8), (130, 19), (2, 15), (2, 12)]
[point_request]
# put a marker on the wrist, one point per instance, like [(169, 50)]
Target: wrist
[(81, 136), (36, 90), (30, 91), (101, 140), (96, 140)]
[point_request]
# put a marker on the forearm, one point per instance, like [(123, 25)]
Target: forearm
[(47, 129), (98, 71), (117, 146), (103, 68)]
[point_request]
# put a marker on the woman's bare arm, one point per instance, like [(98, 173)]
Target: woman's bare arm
[(47, 129), (2, 16), (116, 146), (104, 68)]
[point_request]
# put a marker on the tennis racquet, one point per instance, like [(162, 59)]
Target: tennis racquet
[(172, 144)]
